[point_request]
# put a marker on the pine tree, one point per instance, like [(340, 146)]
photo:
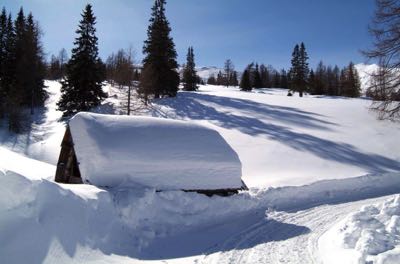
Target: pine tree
[(3, 54), (189, 72), (257, 78), (311, 82), (294, 70), (35, 68), (276, 80), (350, 82), (299, 70), (284, 79), (159, 76), (220, 78), (234, 79), (82, 87), (211, 80), (320, 76), (245, 82), (265, 76)]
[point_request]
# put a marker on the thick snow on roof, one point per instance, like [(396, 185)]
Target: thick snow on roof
[(164, 154)]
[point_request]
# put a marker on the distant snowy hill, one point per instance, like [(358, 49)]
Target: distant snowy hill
[(205, 72), (365, 71)]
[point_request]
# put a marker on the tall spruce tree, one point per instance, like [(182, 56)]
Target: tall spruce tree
[(257, 77), (82, 87), (189, 72), (3, 65), (245, 82), (35, 68), (159, 76), (299, 70), (351, 82)]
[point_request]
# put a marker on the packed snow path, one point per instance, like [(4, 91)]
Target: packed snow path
[(283, 237)]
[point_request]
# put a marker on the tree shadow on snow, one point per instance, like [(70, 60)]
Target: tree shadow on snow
[(223, 112)]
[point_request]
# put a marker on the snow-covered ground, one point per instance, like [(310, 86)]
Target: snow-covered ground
[(309, 162)]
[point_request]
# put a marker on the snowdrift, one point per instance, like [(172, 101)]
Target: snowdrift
[(154, 152), (371, 235)]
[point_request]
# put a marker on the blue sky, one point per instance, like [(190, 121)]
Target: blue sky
[(244, 31)]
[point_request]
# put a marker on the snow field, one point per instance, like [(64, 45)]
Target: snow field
[(370, 235)]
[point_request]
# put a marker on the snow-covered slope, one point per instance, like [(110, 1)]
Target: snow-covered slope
[(205, 72), (285, 140)]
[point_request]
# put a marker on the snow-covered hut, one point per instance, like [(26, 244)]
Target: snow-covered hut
[(127, 151)]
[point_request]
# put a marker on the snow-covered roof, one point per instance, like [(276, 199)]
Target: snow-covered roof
[(155, 152)]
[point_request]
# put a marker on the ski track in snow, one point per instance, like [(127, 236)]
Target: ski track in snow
[(302, 230)]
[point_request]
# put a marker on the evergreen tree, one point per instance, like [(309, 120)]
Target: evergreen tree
[(35, 68), (257, 78), (82, 87), (159, 76), (234, 79), (211, 80), (311, 82), (189, 72), (245, 82), (299, 70), (3, 57), (320, 75), (350, 82), (265, 76), (276, 80), (220, 78), (336, 80), (284, 79)]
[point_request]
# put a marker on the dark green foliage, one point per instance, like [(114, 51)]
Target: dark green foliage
[(257, 82), (333, 81), (22, 67), (245, 83), (159, 76), (299, 70), (82, 87), (350, 82), (220, 79), (233, 79), (265, 76), (189, 72), (211, 80), (284, 80)]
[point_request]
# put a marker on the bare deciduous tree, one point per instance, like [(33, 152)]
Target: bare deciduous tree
[(385, 85)]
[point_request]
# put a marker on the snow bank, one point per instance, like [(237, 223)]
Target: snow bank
[(83, 223), (30, 168), (153, 152), (371, 235)]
